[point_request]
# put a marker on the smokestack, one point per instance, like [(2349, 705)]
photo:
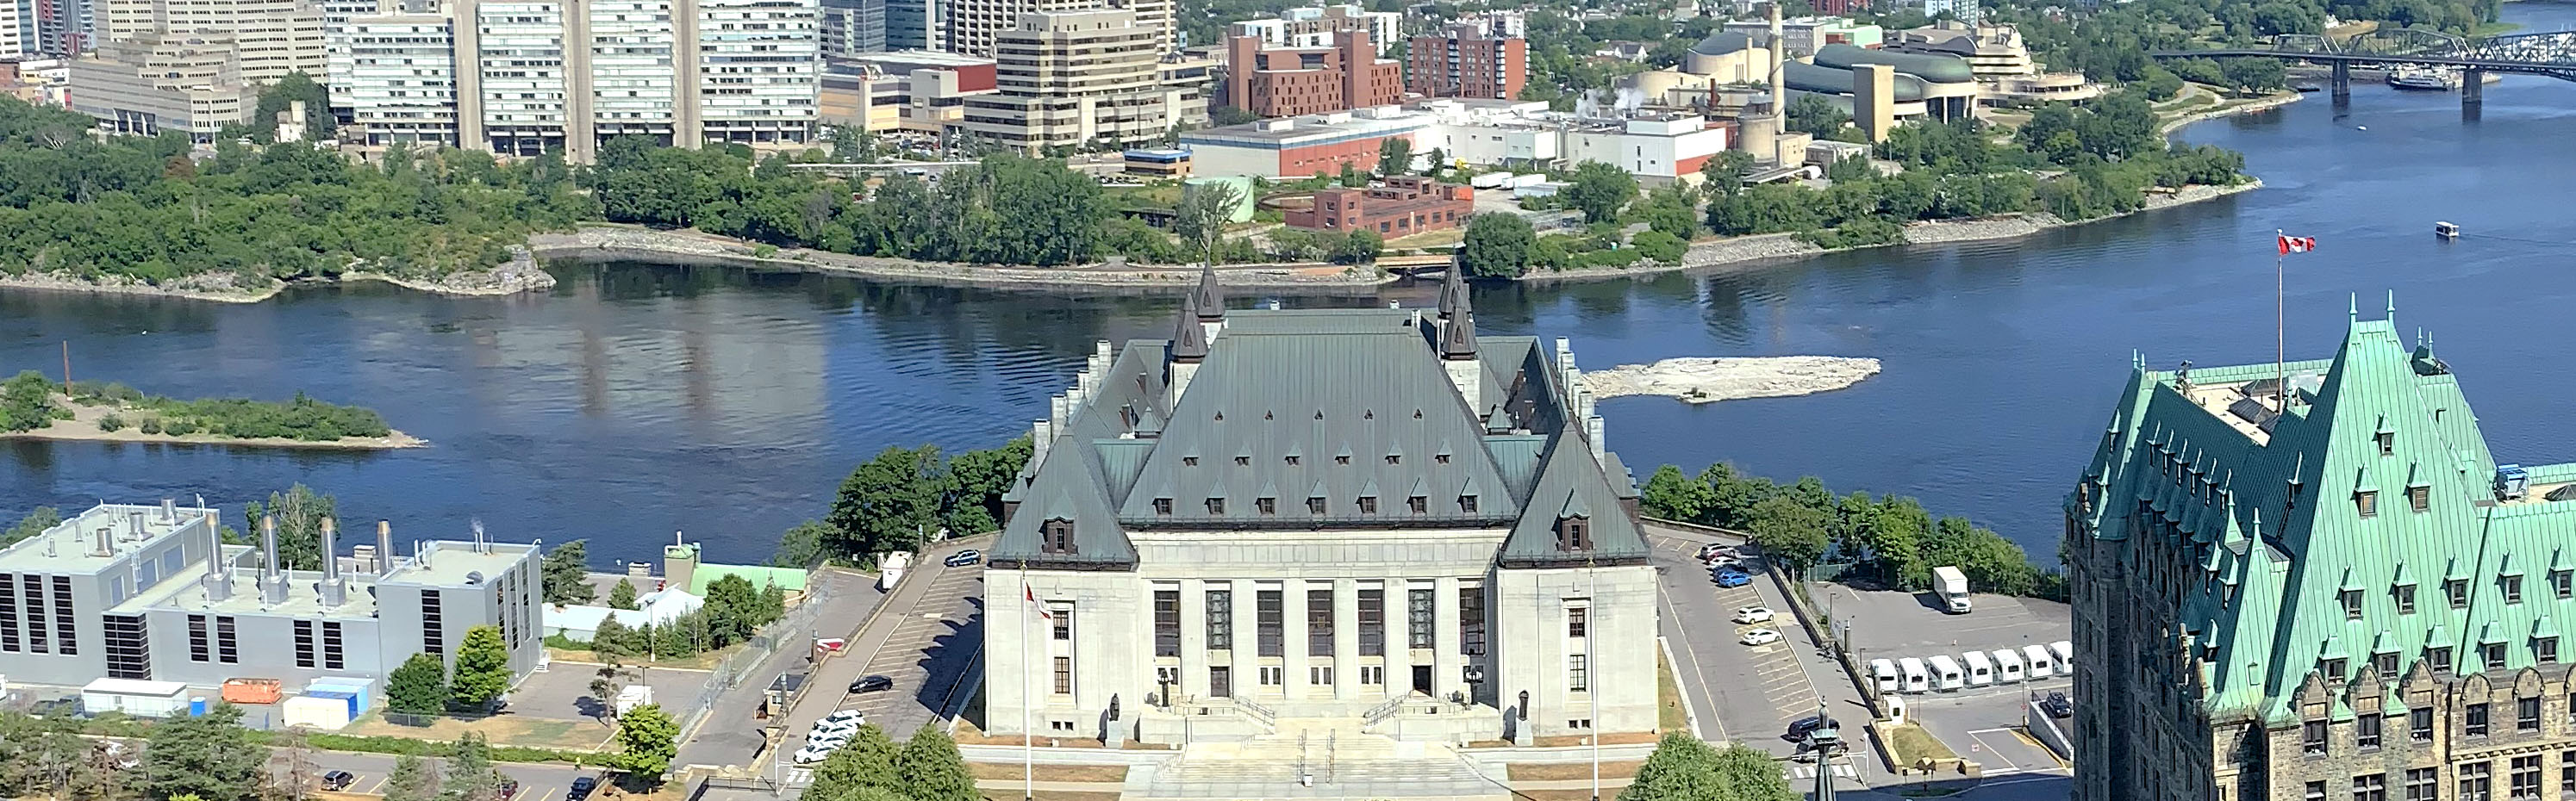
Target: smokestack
[(106, 542), (333, 589), (219, 582), (1779, 85), (384, 547), (169, 510), (272, 576), (134, 525)]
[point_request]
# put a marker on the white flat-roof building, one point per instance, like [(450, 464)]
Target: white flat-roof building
[(1316, 27)]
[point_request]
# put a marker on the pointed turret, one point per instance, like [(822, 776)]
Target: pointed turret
[(1458, 350), (1209, 299), (1453, 290), (1189, 339)]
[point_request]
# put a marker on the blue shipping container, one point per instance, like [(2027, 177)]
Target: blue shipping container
[(344, 695), (364, 692)]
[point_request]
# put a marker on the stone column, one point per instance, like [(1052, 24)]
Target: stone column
[(2473, 91), (1399, 651), (1346, 639), (1193, 639), (1247, 638), (1292, 606), (1449, 665)]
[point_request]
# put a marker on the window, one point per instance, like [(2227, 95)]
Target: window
[(9, 614), (2563, 582), (1573, 533), (2316, 791), (2312, 741), (1216, 506), (2458, 589), (304, 643), (2388, 443), (1314, 504), (1471, 621), (2387, 665), (1368, 504), (2373, 787), (1320, 675), (1467, 503), (1061, 615), (1418, 619), (2367, 501), (1269, 621), (2419, 724), (1319, 623), (2475, 720), (2525, 777), (2475, 781), (197, 651), (1372, 675), (2512, 589), (1266, 505), (1576, 621), (2423, 784), (2494, 655), (227, 650), (1162, 506), (2420, 497), (2567, 772), (2334, 670), (2439, 656), (2365, 731), (1372, 623), (65, 641), (1272, 675), (2526, 714), (1064, 675), (1167, 622), (129, 646), (1576, 678), (2544, 649), (1579, 723), (1056, 536), (2406, 599), (1220, 620), (2352, 604)]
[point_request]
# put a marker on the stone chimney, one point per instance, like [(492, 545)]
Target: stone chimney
[(1458, 356), (333, 590), (272, 576), (1041, 434)]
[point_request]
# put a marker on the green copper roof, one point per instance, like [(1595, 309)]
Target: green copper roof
[(1933, 67), (2282, 514)]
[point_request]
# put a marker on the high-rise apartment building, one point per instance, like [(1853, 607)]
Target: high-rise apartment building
[(851, 27), (1071, 77), (18, 30), (1289, 81), (1468, 60), (975, 27), (685, 72), (916, 24), (2344, 598), (1318, 26)]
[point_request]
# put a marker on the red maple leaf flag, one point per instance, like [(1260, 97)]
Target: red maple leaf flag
[(2297, 244), (1032, 595)]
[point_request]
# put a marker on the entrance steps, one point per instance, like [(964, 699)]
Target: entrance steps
[(1318, 758)]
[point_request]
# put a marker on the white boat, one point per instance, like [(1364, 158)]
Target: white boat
[(2446, 230)]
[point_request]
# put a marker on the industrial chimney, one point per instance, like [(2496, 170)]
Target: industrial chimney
[(272, 576), (384, 547), (170, 510), (219, 581), (334, 588)]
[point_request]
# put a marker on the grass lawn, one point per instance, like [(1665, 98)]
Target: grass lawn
[(1668, 699), (1429, 239), (1570, 771), (1160, 196), (1050, 773), (1912, 744), (533, 732), (703, 661)]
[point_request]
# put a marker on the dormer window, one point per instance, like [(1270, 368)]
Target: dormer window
[(2367, 501), (1216, 506), (1292, 459), (2420, 497), (1394, 458), (1189, 461), (1315, 504), (1055, 536), (1266, 505), (1162, 506), (1418, 504), (2388, 443), (1467, 503), (1342, 459), (1243, 461), (1440, 457), (1574, 534), (1368, 504)]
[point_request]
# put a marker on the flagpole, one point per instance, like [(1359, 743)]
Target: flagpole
[(2280, 347), (1591, 665), (1028, 738)]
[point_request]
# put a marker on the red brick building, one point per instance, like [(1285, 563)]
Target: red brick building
[(1405, 204), (1289, 81), (1467, 61)]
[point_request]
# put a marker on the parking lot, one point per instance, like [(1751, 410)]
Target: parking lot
[(925, 639), (1886, 624), (562, 692), (1748, 694), (1985, 727)]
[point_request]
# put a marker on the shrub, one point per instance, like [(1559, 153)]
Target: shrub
[(111, 423), (150, 425)]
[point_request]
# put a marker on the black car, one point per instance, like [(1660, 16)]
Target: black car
[(581, 788), (2057, 706), (1804, 727), (871, 684), (338, 780), (964, 558)]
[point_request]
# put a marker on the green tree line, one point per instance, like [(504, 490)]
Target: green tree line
[(1891, 541), (299, 418), (905, 497)]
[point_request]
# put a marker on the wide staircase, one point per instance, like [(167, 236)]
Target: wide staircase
[(1319, 758)]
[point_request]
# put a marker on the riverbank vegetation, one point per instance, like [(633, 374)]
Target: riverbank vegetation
[(732, 611), (905, 497), (31, 401), (1887, 541), (154, 210)]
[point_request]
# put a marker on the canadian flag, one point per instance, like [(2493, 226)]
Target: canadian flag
[(2297, 244), (1032, 595)]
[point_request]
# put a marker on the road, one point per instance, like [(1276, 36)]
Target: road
[(923, 636), (732, 733)]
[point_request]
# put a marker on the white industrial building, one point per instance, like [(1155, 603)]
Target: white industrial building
[(1353, 518)]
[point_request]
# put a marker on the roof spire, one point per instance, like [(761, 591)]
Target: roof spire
[(2352, 307), (1209, 300), (1458, 336), (1453, 290), (1189, 338)]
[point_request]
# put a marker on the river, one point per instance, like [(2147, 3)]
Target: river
[(632, 402)]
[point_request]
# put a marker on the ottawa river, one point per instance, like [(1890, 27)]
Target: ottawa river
[(631, 402)]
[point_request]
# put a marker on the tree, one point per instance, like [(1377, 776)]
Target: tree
[(482, 670), (1394, 156), (410, 780), (973, 483), (1672, 496), (210, 756), (800, 546), (291, 771), (1659, 246), (647, 740), (732, 608), (605, 684), (566, 573), (299, 512), (470, 775), (867, 763), (1790, 530), (1204, 212), (1750, 775), (2252, 75), (1682, 768), (622, 596), (933, 770), (1813, 114), (887, 504), (280, 96), (1723, 174), (1497, 245), (1358, 247), (1229, 115), (44, 517), (418, 686), (1599, 191)]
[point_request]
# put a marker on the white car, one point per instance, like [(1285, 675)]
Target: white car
[(834, 738), (1725, 562), (1754, 614), (815, 752), (851, 716), (1759, 637)]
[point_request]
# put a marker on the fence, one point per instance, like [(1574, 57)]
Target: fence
[(796, 627)]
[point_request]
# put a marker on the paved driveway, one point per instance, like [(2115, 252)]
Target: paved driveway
[(1985, 727), (925, 638)]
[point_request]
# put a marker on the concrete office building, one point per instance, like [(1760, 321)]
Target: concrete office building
[(186, 84), (145, 592), (2346, 598), (916, 24), (1996, 55), (1470, 61), (1321, 26), (1803, 36), (1070, 77), (975, 27), (749, 76), (850, 27), (1372, 515), (273, 37), (910, 90)]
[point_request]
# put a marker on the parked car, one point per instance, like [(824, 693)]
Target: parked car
[(1713, 550), (816, 752), (2057, 706), (824, 729), (1805, 727), (1759, 637), (338, 780), (963, 558), (1728, 577), (1754, 614), (850, 716), (581, 788), (871, 684), (1726, 562), (509, 789)]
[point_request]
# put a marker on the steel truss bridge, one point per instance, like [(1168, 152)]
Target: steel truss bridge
[(2551, 54)]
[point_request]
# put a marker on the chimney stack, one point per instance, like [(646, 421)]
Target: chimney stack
[(384, 547), (272, 576), (219, 581), (334, 591), (169, 510), (134, 525), (106, 545)]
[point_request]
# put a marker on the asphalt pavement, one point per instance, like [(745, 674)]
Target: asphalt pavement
[(536, 782), (731, 733), (924, 635)]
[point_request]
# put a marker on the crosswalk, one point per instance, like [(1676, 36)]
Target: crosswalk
[(1805, 772)]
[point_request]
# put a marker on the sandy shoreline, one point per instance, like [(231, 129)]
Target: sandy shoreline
[(1708, 380), (83, 427)]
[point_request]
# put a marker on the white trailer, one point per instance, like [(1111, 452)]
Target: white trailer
[(1946, 675), (1981, 671), (1953, 586), (2008, 666), (135, 697)]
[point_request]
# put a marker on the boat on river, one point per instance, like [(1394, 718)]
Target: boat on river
[(2446, 230), (2422, 80)]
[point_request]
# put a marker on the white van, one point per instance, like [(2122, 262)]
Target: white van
[(2042, 665), (1981, 672), (2065, 652), (1946, 675), (1915, 677), (2008, 667), (1883, 671)]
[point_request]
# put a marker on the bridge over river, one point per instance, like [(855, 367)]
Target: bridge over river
[(2551, 54)]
